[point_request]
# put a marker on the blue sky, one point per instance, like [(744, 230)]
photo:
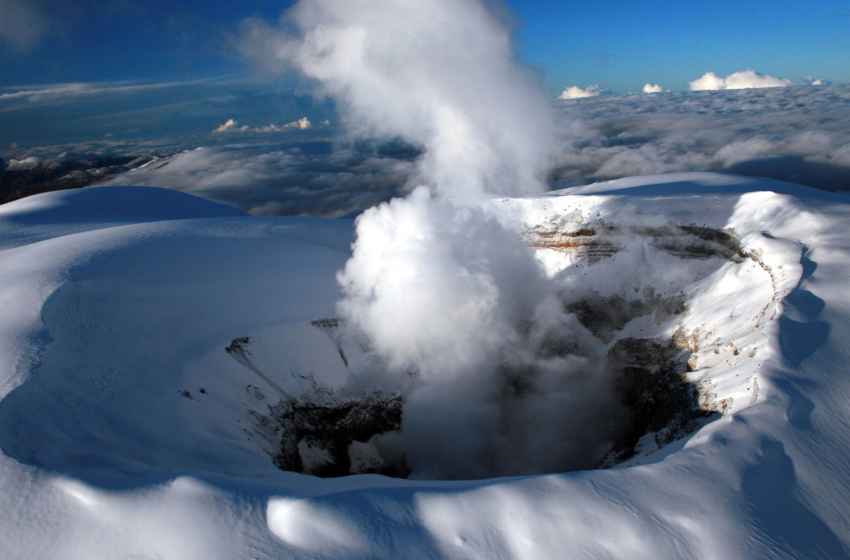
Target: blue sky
[(621, 45), (617, 44)]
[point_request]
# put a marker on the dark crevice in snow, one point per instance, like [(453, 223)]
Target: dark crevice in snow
[(331, 327), (239, 352), (321, 433)]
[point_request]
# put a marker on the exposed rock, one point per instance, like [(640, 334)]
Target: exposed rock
[(666, 407), (592, 244), (317, 437), (604, 316)]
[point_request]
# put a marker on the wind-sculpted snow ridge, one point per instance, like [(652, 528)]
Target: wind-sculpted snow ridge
[(127, 431)]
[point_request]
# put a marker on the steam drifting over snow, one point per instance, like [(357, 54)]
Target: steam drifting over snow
[(116, 326), (447, 293)]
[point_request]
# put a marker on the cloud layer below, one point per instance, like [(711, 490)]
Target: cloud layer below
[(796, 134), (309, 178)]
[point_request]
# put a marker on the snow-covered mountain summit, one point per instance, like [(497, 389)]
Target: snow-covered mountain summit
[(148, 336)]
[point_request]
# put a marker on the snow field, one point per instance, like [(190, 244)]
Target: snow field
[(105, 323)]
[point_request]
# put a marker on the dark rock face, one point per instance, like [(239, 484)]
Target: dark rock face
[(652, 385), (650, 372), (326, 429)]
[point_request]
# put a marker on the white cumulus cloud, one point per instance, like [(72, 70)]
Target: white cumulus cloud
[(739, 80), (575, 92), (301, 123), (231, 126), (811, 81), (649, 88)]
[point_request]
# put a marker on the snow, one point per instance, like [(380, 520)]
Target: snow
[(116, 300)]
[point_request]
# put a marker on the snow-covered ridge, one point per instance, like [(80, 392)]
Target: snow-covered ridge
[(115, 375)]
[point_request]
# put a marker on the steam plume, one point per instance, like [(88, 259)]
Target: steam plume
[(439, 287), (439, 73)]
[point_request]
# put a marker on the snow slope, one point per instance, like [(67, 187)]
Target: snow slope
[(124, 423)]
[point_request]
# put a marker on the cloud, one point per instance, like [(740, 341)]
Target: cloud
[(65, 92), (575, 92), (163, 117), (301, 123), (22, 164), (310, 178), (739, 80), (810, 81), (23, 24), (231, 126), (800, 135), (649, 88)]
